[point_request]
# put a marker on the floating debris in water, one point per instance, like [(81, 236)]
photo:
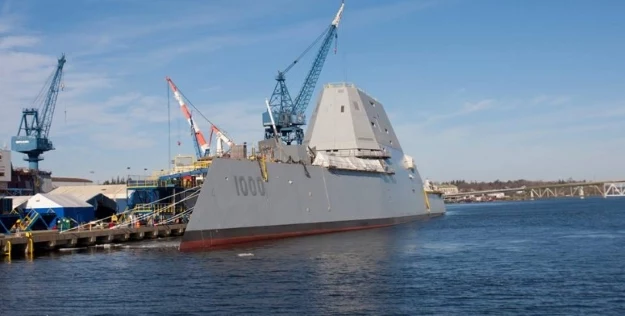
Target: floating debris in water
[(72, 249), (152, 245)]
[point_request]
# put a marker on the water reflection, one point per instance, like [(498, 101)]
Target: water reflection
[(346, 269)]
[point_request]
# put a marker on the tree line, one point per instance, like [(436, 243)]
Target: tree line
[(117, 180)]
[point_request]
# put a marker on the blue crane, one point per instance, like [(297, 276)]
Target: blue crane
[(288, 115), (35, 123)]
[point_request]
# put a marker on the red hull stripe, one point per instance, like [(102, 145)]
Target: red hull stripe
[(195, 240)]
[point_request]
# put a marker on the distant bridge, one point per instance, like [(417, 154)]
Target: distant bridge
[(603, 188)]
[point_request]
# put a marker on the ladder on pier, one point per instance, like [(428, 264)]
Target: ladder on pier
[(29, 219)]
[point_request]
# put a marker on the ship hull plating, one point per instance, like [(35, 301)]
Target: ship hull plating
[(225, 237), (236, 205)]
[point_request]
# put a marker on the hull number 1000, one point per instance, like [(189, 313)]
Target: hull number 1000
[(249, 186)]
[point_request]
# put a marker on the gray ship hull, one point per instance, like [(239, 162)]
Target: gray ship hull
[(235, 204), (349, 173)]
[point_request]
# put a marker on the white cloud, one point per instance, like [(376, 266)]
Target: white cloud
[(163, 39), (466, 109), (76, 84), (551, 100), (616, 110), (385, 12), (158, 25), (240, 119), (8, 20), (470, 107), (22, 76), (9, 42), (122, 140), (83, 118), (514, 141), (542, 146)]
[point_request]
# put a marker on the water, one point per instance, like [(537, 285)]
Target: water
[(557, 257)]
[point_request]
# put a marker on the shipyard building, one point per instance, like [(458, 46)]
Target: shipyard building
[(5, 169)]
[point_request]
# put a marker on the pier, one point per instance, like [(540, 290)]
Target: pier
[(31, 231), (49, 240)]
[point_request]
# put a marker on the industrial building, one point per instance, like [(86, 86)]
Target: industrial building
[(66, 181), (79, 204), (18, 202), (112, 196), (21, 181), (5, 169), (26, 182)]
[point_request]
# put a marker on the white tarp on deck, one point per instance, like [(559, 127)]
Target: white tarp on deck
[(46, 200), (348, 163), (86, 192)]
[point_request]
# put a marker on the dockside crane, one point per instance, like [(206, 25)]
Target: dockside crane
[(287, 116), (221, 140), (32, 136), (202, 148), (199, 142)]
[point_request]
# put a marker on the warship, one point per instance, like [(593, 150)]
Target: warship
[(349, 172)]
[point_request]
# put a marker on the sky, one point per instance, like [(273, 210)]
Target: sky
[(475, 89)]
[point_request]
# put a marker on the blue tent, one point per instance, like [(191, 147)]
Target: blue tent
[(62, 205)]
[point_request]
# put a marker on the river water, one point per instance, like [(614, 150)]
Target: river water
[(550, 257)]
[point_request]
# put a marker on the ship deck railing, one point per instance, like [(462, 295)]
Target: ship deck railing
[(197, 165), (154, 207), (193, 172), (142, 183)]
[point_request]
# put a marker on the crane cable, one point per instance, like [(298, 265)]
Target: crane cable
[(307, 49), (168, 130), (45, 87)]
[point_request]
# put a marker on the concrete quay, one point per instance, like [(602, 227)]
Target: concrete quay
[(50, 240)]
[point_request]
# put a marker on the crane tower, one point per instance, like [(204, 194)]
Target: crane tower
[(202, 148), (286, 115), (32, 136)]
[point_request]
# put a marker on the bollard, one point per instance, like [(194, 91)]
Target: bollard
[(7, 248), (31, 245)]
